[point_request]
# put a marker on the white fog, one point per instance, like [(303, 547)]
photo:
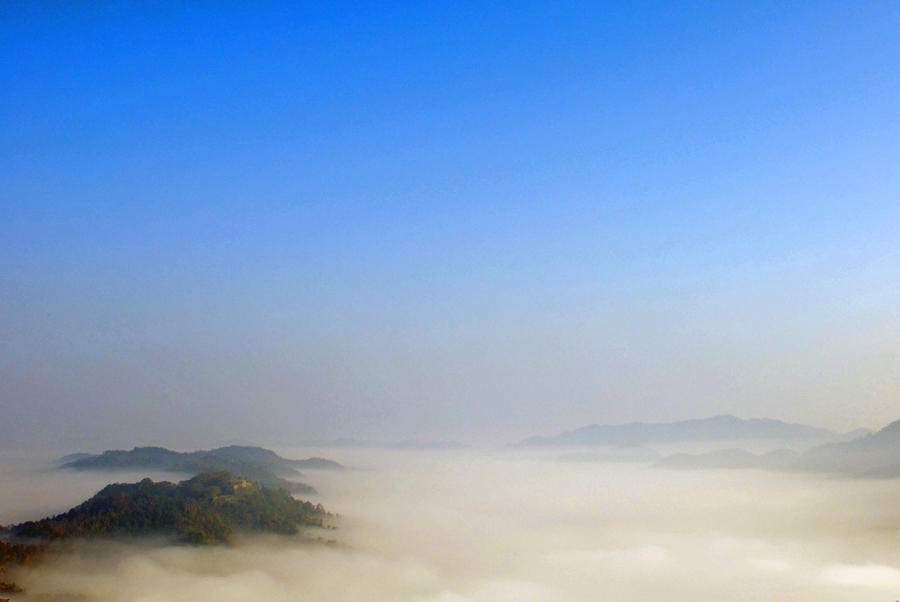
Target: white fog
[(497, 526)]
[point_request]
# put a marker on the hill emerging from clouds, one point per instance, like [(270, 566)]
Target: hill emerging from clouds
[(717, 428), (254, 463), (209, 508)]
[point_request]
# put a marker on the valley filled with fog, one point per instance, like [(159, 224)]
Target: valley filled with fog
[(493, 526), (532, 302)]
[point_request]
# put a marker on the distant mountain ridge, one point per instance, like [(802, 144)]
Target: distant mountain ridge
[(253, 463), (732, 458), (718, 428), (874, 455)]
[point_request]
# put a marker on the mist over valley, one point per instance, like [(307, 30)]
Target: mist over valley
[(503, 524), (449, 302)]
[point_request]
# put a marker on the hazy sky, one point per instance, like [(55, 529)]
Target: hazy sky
[(273, 222)]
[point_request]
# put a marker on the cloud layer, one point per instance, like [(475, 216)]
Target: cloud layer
[(482, 527)]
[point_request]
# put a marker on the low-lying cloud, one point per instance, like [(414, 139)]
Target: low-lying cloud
[(482, 527)]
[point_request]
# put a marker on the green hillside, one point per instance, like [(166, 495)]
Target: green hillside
[(209, 508)]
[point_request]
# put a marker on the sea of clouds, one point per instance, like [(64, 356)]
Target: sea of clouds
[(495, 527)]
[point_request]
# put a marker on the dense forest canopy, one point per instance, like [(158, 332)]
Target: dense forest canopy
[(209, 508)]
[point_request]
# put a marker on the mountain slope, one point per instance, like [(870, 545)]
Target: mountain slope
[(872, 455), (209, 508)]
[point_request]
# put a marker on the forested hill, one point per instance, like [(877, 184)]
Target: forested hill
[(209, 508), (253, 463)]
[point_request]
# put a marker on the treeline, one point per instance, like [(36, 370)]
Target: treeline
[(20, 553), (207, 509), (17, 553)]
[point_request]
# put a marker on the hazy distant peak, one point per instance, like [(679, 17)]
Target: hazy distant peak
[(856, 434), (317, 463), (724, 427), (891, 430), (778, 459), (873, 455)]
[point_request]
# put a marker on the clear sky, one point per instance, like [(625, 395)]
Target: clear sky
[(278, 221)]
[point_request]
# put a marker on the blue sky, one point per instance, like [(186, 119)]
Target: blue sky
[(445, 220)]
